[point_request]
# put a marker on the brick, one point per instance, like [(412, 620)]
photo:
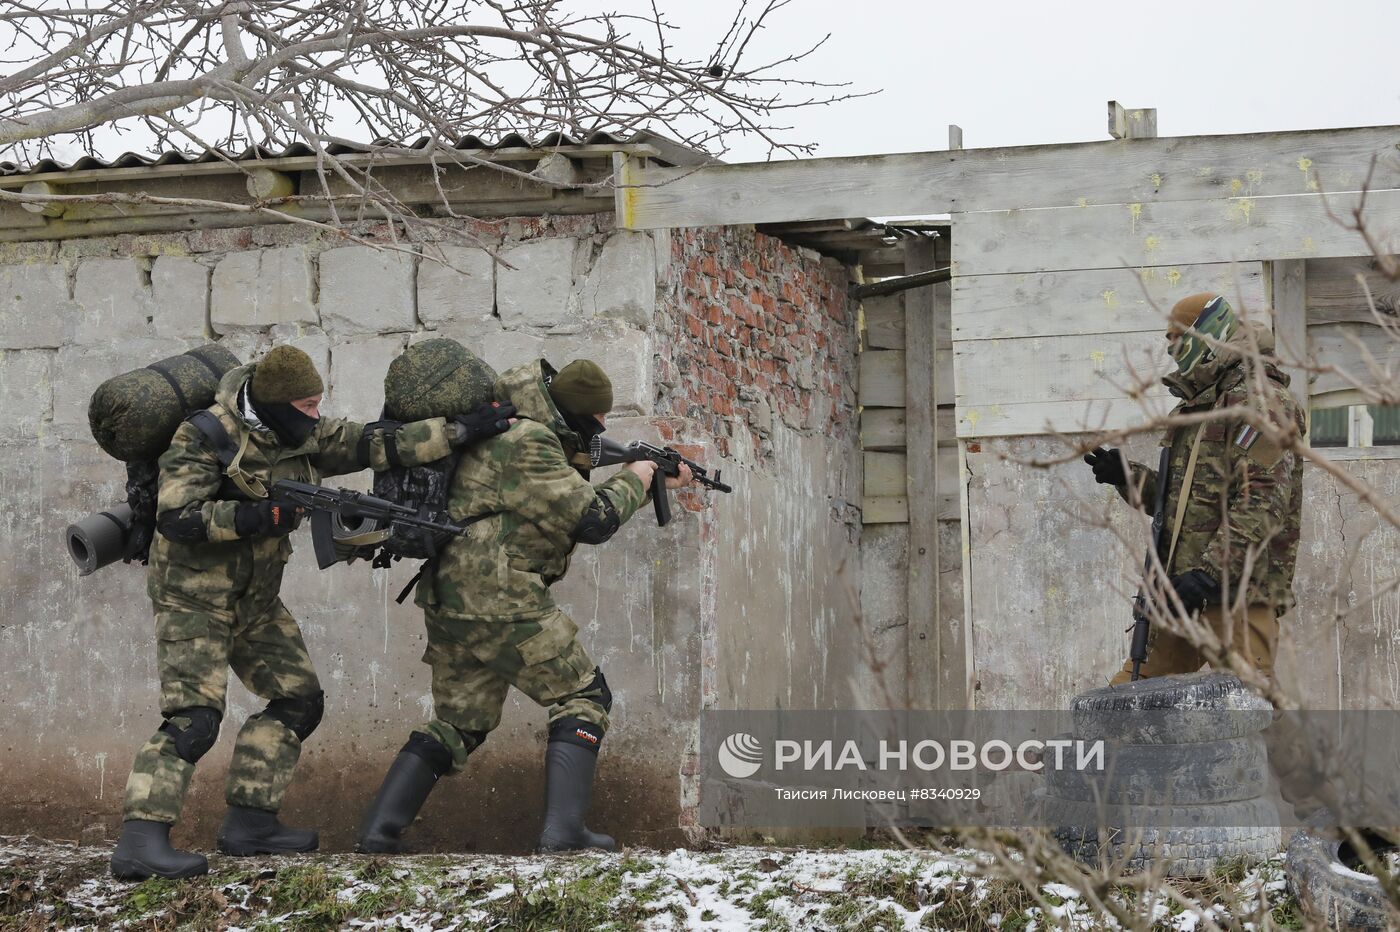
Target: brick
[(180, 298), (357, 370), (455, 283), (35, 309), (26, 391), (537, 291), (622, 283), (262, 287), (367, 290)]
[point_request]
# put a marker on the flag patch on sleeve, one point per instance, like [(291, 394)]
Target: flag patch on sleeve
[(1246, 437)]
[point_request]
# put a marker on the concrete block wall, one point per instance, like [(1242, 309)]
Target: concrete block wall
[(658, 607)]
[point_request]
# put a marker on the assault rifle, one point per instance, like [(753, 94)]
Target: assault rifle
[(348, 518), (1137, 650), (605, 452)]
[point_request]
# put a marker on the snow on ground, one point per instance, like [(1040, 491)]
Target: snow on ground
[(54, 885)]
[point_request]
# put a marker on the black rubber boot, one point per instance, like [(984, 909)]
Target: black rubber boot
[(568, 787), (405, 788), (248, 831), (144, 851)]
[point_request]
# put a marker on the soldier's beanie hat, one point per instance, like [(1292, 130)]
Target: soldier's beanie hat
[(285, 374), (1188, 310), (582, 387)]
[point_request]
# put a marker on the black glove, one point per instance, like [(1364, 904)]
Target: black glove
[(1107, 465), (271, 517), (1196, 589), (488, 420)]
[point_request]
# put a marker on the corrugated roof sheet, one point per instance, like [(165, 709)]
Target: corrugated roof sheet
[(672, 152)]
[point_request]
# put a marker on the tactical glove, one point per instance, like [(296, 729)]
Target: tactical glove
[(488, 420), (1196, 589), (1107, 466), (271, 517)]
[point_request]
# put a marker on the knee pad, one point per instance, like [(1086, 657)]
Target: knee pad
[(195, 740), (301, 714), (600, 683), (576, 731)]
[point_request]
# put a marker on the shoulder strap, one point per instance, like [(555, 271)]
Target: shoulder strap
[(230, 455), (391, 443), (1185, 494), (215, 436)]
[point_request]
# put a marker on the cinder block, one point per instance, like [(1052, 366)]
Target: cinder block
[(26, 391), (357, 373), (624, 353), (35, 309), (455, 283), (114, 301), (262, 287), (510, 348), (536, 292), (247, 345), (79, 369), (622, 283), (366, 290), (310, 340), (180, 297)]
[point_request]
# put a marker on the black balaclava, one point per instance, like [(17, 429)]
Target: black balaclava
[(291, 426)]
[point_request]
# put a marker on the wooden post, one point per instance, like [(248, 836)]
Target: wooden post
[(266, 184), (921, 482), (1131, 124), (1288, 295), (43, 208)]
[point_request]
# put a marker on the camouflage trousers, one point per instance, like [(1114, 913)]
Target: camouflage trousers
[(194, 651), (476, 661)]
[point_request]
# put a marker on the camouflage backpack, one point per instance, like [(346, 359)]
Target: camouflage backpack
[(423, 488)]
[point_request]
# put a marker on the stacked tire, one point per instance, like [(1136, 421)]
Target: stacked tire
[(1185, 776), (1332, 886)]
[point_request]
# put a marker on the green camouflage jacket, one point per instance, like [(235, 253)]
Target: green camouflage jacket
[(227, 571), (1245, 503), (504, 566)]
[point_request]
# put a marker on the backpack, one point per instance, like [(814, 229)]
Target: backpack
[(133, 416), (422, 488)]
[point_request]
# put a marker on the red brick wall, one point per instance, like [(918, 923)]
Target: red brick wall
[(754, 333)]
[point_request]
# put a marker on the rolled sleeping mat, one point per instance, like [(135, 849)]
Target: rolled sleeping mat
[(436, 378), (99, 539), (134, 415)]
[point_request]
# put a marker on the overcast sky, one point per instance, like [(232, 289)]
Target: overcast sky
[(1013, 72)]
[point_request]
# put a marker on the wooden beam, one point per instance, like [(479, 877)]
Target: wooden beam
[(883, 429), (902, 283), (924, 633), (1092, 301), (1141, 171), (1288, 294), (895, 509), (884, 322), (1064, 417), (882, 378), (1139, 123), (1365, 352), (1172, 233), (1337, 291)]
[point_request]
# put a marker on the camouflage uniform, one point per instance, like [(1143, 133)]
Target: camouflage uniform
[(491, 621), (1241, 524), (217, 606)]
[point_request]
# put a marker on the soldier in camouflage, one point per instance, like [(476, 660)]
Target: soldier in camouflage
[(215, 574), (491, 621), (1232, 554)]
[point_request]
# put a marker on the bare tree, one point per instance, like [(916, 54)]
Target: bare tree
[(194, 74)]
